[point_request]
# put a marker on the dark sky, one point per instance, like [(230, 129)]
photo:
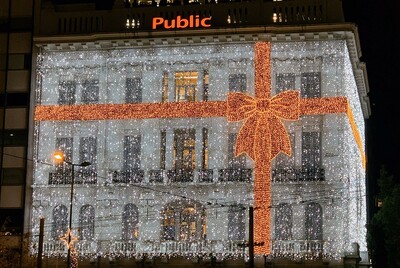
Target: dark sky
[(377, 30)]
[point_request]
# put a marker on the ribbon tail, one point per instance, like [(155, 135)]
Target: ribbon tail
[(281, 141), (245, 141)]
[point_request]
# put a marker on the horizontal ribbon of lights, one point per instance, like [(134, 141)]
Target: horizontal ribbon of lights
[(262, 135)]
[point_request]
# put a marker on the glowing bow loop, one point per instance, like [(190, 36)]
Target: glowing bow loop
[(263, 134)]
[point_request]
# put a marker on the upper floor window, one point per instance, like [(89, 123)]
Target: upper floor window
[(186, 86), (311, 85), (237, 82), (164, 97), (285, 81), (130, 220), (184, 149), (313, 221), (65, 145), (90, 91), (133, 90), (283, 222), (236, 222), (235, 162), (205, 85), (163, 148), (66, 92), (204, 164), (88, 151), (86, 222), (60, 221), (311, 149), (132, 148)]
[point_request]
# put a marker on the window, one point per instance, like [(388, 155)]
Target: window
[(311, 150), (204, 164), (313, 221), (237, 83), (66, 92), (163, 147), (60, 222), (184, 149), (285, 81), (168, 224), (283, 222), (183, 221), (86, 223), (236, 222), (90, 91), (65, 145), (205, 85), (133, 92), (238, 162), (165, 87), (186, 86), (130, 220), (132, 152), (88, 151), (311, 85)]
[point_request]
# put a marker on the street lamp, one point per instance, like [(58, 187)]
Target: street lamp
[(59, 158)]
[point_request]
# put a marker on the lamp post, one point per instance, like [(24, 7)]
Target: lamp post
[(59, 158)]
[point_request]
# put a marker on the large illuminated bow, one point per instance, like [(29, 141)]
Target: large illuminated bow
[(263, 133)]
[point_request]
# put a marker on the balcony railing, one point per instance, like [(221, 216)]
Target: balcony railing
[(180, 175), (156, 175), (286, 248), (291, 174), (281, 248), (235, 174), (205, 175), (128, 176), (81, 177)]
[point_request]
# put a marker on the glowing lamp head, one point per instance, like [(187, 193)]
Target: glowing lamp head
[(58, 157)]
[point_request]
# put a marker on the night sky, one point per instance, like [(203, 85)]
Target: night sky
[(377, 30)]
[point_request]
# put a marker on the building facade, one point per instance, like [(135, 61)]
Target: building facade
[(154, 107)]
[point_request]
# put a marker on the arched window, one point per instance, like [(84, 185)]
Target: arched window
[(130, 220), (168, 224), (313, 221), (283, 222), (236, 222), (60, 221), (183, 221), (86, 222)]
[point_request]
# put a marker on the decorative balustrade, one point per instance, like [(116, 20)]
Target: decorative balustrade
[(205, 175), (235, 174), (156, 175), (283, 248), (59, 247), (128, 176), (180, 175), (80, 177), (178, 247), (292, 174), (297, 247)]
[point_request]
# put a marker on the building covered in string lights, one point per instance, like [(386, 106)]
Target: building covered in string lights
[(193, 116)]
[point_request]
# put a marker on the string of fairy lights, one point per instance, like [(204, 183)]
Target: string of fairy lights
[(341, 195)]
